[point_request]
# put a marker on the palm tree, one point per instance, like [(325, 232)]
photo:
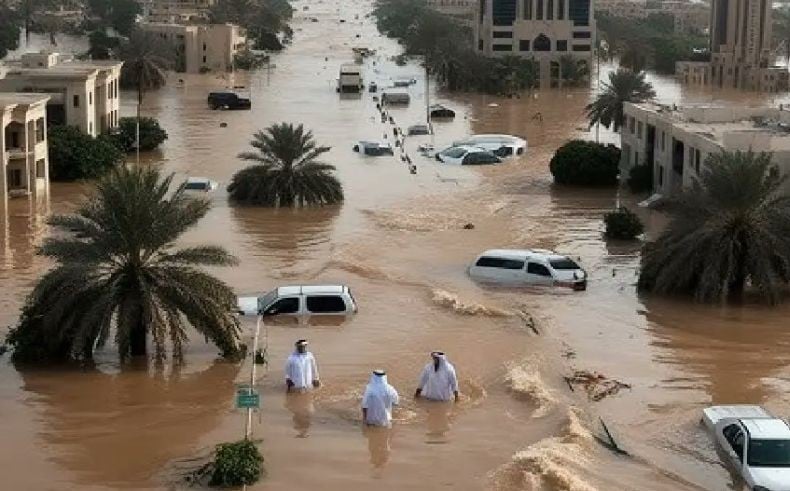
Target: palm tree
[(623, 86), (781, 29), (287, 172), (117, 270), (729, 231), (146, 58)]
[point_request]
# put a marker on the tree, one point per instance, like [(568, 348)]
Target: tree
[(287, 173), (623, 224), (117, 270), (585, 163), (623, 86), (572, 71), (781, 29), (151, 134), (9, 30), (102, 46), (75, 155), (729, 231), (263, 19), (121, 15)]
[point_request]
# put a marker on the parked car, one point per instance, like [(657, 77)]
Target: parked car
[(467, 155), (528, 267), (199, 185), (404, 82), (501, 145), (301, 301), (438, 111), (228, 100), (374, 149), (756, 444), (395, 98)]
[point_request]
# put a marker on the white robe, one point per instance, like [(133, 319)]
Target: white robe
[(302, 370), (378, 401), (439, 384)]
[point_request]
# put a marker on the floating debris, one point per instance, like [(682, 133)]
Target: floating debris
[(597, 385)]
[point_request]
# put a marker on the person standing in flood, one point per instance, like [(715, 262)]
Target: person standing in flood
[(301, 370), (439, 381), (378, 400)]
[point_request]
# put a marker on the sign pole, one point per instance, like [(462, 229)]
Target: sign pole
[(248, 425)]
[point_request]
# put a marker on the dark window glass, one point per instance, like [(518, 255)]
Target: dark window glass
[(539, 11), (562, 45), (285, 306), (497, 262), (582, 35), (503, 34), (477, 158), (199, 186), (480, 45), (549, 9), (503, 47), (504, 12), (523, 45), (579, 12), (541, 43), (538, 269), (76, 101), (565, 263), (325, 304), (528, 9), (561, 10), (581, 47), (769, 453)]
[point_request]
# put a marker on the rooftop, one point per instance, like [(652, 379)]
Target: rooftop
[(767, 428), (12, 99)]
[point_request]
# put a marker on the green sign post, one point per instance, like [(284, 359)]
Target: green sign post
[(248, 398)]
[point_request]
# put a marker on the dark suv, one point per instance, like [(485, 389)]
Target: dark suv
[(227, 100)]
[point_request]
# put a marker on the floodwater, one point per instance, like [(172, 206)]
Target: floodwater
[(399, 241)]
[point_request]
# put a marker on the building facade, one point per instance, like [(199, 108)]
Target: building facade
[(675, 141), (740, 48), (202, 47), (24, 157), (175, 11), (85, 94), (688, 17), (542, 30)]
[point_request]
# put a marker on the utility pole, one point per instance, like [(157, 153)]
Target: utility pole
[(248, 423)]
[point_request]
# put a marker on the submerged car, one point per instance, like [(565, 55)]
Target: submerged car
[(301, 301), (438, 111), (756, 444), (228, 100), (374, 149), (501, 145), (528, 267), (199, 185), (418, 129), (467, 155)]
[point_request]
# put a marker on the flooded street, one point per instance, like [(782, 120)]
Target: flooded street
[(399, 242)]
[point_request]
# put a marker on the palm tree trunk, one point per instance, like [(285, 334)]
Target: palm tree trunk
[(137, 126), (137, 341)]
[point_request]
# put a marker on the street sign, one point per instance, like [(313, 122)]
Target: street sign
[(248, 399)]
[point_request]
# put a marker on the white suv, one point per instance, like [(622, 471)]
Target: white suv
[(528, 267), (301, 301)]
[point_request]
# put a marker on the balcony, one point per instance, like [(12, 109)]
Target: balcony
[(17, 153)]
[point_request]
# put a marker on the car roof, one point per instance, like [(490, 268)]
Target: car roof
[(523, 253), (767, 428), (196, 180), (491, 138), (469, 148), (311, 289)]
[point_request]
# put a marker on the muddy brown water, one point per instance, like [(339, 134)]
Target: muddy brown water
[(399, 242)]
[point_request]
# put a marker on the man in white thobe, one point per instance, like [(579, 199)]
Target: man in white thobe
[(301, 370), (378, 400), (438, 381)]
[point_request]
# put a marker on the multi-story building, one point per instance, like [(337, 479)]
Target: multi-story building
[(24, 159), (175, 11), (542, 30), (461, 10), (675, 141), (740, 47), (202, 47), (85, 94)]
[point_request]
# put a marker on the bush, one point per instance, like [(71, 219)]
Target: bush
[(75, 155), (623, 224), (583, 163), (237, 464), (151, 134), (247, 60), (640, 179)]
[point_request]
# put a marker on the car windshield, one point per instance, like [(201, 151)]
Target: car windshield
[(196, 185), (455, 152), (769, 453), (563, 264), (268, 299)]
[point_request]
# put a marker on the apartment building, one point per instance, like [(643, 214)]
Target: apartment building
[(24, 158), (202, 48), (176, 11), (675, 141), (542, 30), (85, 94)]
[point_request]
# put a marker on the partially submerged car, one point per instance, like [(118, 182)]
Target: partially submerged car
[(418, 129), (228, 100), (438, 111), (199, 185), (300, 301), (756, 444), (374, 149), (501, 145), (467, 155), (519, 267)]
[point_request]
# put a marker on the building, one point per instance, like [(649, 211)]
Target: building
[(85, 94), (740, 48), (542, 30), (676, 141), (24, 159), (461, 10), (688, 17), (175, 11), (202, 48)]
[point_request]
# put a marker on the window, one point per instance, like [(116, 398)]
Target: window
[(639, 130), (539, 12), (284, 306), (40, 169), (76, 101), (549, 9), (697, 159), (204, 46), (39, 130), (564, 264), (497, 262), (538, 269), (561, 10), (479, 45), (579, 12), (663, 140), (581, 47), (562, 45), (503, 34), (503, 47), (581, 35), (541, 43), (636, 158), (660, 176), (90, 98), (15, 140), (769, 453), (326, 304), (204, 59), (523, 45), (504, 12), (631, 125), (477, 158), (528, 9), (90, 127)]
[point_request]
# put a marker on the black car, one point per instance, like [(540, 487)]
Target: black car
[(228, 100)]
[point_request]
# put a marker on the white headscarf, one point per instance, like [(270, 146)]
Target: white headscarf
[(378, 400), (439, 382)]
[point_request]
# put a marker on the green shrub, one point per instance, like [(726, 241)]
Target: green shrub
[(247, 60), (75, 155), (151, 134), (640, 178), (585, 163), (237, 464), (623, 224)]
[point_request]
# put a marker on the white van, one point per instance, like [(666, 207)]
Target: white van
[(528, 267), (501, 145), (350, 80), (301, 301)]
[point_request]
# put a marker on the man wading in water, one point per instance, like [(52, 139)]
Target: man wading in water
[(301, 370), (438, 381)]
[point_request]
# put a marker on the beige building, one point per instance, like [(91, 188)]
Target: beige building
[(175, 11), (740, 47), (542, 30), (676, 141), (460, 8), (85, 94), (24, 159), (202, 47)]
